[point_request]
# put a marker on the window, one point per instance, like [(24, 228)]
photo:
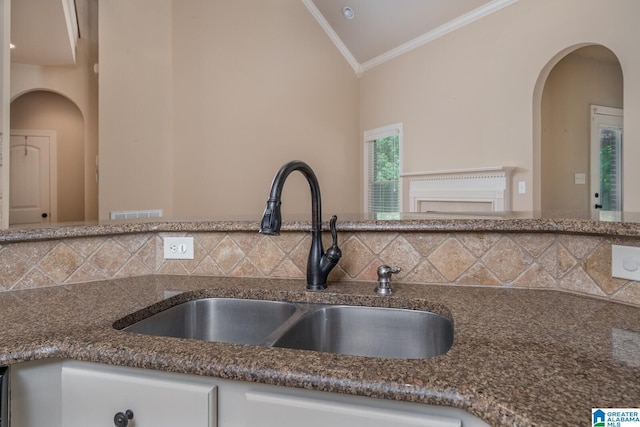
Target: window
[(383, 187)]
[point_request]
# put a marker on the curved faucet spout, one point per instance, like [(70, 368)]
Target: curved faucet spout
[(272, 218), (319, 264)]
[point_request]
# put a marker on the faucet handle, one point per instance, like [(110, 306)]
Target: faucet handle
[(333, 253), (333, 229), (384, 279)]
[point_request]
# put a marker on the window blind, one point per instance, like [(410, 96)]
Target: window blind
[(383, 175)]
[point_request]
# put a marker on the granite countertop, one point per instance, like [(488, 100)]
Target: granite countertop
[(627, 225), (519, 358)]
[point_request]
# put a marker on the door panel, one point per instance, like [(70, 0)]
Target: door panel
[(606, 163), (30, 180)]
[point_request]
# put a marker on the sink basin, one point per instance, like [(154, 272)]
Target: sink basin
[(356, 330), (241, 321), (370, 331)]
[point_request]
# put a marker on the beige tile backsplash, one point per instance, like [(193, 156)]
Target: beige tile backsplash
[(574, 263)]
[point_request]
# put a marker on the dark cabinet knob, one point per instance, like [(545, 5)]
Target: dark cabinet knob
[(44, 215), (121, 419), (598, 206)]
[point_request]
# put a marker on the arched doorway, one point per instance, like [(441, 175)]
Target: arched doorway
[(41, 111), (586, 76)]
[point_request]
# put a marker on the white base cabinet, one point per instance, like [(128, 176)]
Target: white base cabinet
[(71, 394)]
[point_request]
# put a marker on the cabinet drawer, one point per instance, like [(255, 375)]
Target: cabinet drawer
[(273, 409)]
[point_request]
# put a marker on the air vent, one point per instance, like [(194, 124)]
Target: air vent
[(153, 213)]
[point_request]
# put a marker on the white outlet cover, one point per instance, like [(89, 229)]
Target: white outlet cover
[(178, 247), (625, 261)]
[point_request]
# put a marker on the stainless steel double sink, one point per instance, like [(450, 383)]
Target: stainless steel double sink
[(345, 329)]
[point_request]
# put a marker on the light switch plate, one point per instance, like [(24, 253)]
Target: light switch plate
[(522, 187), (625, 262), (178, 247)]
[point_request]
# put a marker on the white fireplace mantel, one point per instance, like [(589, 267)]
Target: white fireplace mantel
[(469, 190)]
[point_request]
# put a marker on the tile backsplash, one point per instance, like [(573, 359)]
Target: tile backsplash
[(576, 263)]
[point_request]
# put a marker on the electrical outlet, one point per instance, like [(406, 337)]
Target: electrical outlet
[(178, 247), (625, 262)]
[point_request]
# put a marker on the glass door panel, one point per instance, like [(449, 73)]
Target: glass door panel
[(606, 163)]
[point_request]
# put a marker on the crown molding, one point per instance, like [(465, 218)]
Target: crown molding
[(442, 30), (337, 41)]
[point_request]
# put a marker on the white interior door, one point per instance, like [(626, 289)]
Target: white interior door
[(31, 183), (606, 163)]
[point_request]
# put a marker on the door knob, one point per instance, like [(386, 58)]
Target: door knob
[(598, 206), (44, 215), (597, 195)]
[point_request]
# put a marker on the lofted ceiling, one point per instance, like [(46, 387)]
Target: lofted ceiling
[(44, 30), (381, 25), (383, 29)]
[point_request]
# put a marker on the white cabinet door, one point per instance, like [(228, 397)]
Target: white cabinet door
[(35, 394), (92, 397), (271, 409)]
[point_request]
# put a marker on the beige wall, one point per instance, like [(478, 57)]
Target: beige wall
[(40, 110), (471, 98), (224, 94), (136, 105), (577, 81)]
